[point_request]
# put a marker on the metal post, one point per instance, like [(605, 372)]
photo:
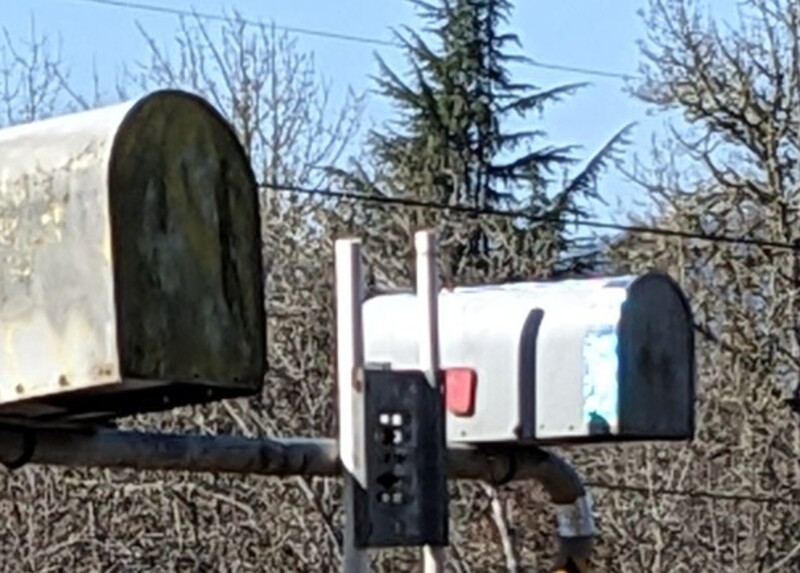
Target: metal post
[(350, 357), (434, 558), (127, 449), (574, 512), (313, 457), (115, 449)]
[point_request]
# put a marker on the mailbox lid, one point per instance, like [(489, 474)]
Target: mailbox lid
[(616, 364), (186, 229), (657, 371)]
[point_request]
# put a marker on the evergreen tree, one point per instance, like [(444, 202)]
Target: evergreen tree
[(452, 141)]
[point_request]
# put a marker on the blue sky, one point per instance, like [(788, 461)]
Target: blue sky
[(599, 34)]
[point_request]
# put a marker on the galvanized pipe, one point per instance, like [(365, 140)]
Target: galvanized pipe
[(108, 448), (574, 512), (162, 451), (573, 504)]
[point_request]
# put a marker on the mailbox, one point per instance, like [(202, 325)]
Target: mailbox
[(130, 262), (591, 360)]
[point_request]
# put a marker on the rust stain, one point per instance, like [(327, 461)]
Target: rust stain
[(358, 380), (103, 371)]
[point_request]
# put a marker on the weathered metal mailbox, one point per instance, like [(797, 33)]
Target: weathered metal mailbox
[(130, 262), (593, 360)]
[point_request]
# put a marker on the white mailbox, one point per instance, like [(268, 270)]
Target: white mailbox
[(587, 360), (131, 274)]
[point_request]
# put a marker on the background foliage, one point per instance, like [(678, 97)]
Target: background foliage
[(726, 502)]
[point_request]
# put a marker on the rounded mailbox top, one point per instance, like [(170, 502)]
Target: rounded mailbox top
[(656, 361), (187, 244), (131, 243)]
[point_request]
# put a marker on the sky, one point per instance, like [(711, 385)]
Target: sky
[(591, 34)]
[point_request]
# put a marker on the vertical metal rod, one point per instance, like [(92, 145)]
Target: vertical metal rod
[(349, 357), (434, 558)]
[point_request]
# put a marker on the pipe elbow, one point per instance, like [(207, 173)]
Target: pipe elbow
[(574, 512), (576, 534)]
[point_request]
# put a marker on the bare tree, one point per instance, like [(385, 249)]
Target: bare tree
[(729, 165), (268, 89), (93, 520), (727, 502), (30, 88), (119, 521)]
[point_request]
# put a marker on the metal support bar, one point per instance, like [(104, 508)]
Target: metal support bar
[(173, 452), (574, 512), (104, 448), (350, 359), (311, 457)]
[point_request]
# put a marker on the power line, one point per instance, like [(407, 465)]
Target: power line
[(153, 8), (142, 7), (721, 238), (588, 223), (585, 71), (695, 494)]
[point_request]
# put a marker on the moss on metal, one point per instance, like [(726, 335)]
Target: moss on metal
[(185, 235), (131, 275)]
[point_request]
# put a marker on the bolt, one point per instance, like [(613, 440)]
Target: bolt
[(358, 380)]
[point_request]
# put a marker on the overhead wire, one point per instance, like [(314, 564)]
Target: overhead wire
[(516, 214), (154, 8), (410, 202), (633, 229), (367, 40), (417, 203)]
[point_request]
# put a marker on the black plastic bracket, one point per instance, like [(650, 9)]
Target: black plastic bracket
[(405, 501)]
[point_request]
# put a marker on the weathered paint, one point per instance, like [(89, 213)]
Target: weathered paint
[(129, 253), (537, 380), (57, 319), (192, 225)]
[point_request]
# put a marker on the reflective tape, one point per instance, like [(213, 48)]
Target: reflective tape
[(576, 519)]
